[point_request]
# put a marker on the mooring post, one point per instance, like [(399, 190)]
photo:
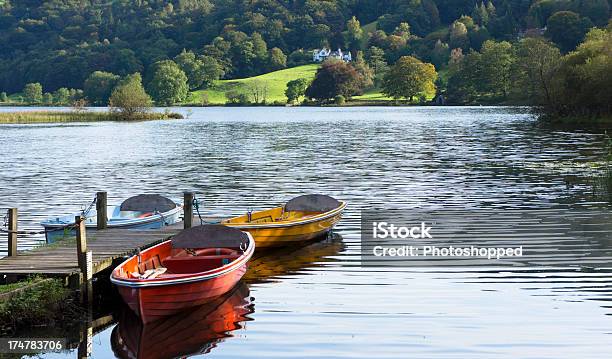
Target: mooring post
[(187, 209), (85, 259), (81, 238), (84, 350), (12, 235), (101, 200)]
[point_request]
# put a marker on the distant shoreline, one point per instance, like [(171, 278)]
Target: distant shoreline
[(37, 117)]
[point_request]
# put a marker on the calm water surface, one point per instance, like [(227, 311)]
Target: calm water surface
[(318, 301)]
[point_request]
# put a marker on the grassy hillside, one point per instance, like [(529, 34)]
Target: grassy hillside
[(276, 82)]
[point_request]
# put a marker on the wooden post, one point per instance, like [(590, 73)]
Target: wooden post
[(85, 259), (12, 235), (187, 209), (84, 350), (101, 200), (81, 238)]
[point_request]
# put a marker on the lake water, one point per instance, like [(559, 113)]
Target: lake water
[(318, 301)]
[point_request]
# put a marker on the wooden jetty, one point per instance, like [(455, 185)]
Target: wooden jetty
[(97, 250)]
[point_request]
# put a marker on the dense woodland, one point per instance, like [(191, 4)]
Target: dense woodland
[(478, 47)]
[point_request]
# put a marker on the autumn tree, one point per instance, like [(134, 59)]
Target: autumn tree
[(459, 36), (334, 78), (366, 74), (409, 77)]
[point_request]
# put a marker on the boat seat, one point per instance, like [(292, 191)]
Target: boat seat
[(149, 273), (192, 264), (151, 263)]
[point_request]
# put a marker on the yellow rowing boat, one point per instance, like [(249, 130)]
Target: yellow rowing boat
[(301, 219)]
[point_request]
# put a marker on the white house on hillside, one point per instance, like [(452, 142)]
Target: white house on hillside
[(323, 54)]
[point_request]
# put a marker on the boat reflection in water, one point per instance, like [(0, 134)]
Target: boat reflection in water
[(192, 332), (199, 330), (272, 263)]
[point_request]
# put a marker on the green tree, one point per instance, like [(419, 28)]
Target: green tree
[(495, 67), (409, 77), (402, 30), (339, 100), (464, 78), (537, 68), (440, 54), (98, 87), (480, 14), (33, 92), (567, 29), (278, 60), (299, 57), (201, 71), (459, 36), (334, 78), (596, 10), (467, 21), (3, 97), (296, 89), (168, 85), (260, 52), (354, 33), (236, 98), (129, 99), (585, 78), (62, 96), (366, 74), (192, 67), (213, 70), (47, 98), (375, 57)]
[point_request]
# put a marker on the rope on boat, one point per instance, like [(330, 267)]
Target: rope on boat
[(196, 205), (69, 226), (86, 211), (165, 223)]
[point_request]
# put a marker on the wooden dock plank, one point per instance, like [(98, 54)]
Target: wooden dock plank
[(107, 246)]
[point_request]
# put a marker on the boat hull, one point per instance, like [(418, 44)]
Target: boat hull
[(153, 303), (57, 231), (278, 235), (193, 332), (194, 267)]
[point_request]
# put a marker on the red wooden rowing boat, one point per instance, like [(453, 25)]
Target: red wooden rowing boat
[(195, 266), (191, 332)]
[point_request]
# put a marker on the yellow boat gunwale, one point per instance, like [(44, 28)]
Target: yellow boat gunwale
[(310, 219)]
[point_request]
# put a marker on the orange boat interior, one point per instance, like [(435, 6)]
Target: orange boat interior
[(164, 261), (274, 215)]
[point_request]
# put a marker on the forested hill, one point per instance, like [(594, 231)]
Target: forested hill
[(59, 43)]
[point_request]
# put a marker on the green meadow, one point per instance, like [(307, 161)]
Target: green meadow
[(276, 83)]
